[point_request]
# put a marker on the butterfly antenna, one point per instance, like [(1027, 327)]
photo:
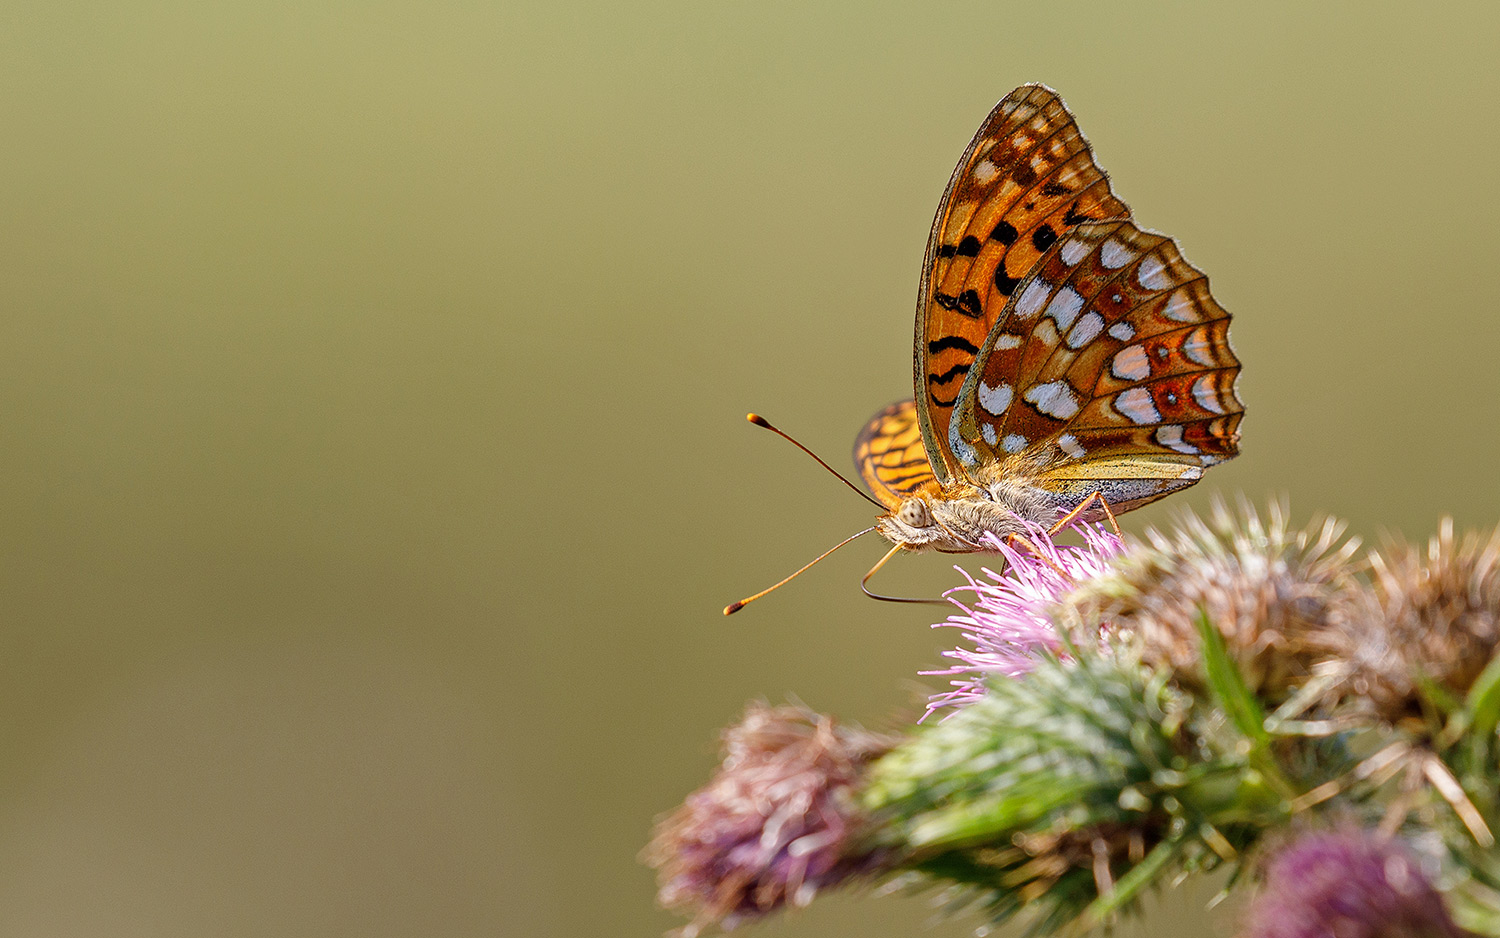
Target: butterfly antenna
[(863, 584), (760, 421), (732, 608)]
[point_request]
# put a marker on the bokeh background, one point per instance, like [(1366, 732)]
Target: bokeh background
[(372, 378)]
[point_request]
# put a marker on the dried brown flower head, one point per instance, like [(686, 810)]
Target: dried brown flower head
[(775, 825), (1269, 590), (1430, 617)]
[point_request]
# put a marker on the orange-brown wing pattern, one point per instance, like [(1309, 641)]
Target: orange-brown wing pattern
[(1026, 179), (1112, 361), (889, 454)]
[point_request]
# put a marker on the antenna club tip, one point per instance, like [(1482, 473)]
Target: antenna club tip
[(758, 420), (733, 607)]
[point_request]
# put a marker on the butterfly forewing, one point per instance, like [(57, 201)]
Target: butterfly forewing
[(889, 454), (1027, 178), (1111, 362)]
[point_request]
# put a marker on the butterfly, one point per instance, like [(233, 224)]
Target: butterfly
[(1067, 362)]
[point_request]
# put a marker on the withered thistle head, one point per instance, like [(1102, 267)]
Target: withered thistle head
[(1432, 616), (775, 825), (1347, 884), (1269, 590)]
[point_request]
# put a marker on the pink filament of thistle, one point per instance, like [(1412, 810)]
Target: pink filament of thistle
[(1008, 622)]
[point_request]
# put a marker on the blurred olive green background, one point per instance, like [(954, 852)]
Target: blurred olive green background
[(372, 462)]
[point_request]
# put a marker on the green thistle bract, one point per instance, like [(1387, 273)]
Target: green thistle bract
[(1070, 789)]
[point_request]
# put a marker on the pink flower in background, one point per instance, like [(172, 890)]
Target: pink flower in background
[(1349, 884), (1007, 623), (776, 824)]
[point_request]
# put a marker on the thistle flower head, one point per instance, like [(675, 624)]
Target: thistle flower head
[(775, 824), (1008, 622), (1271, 591), (1347, 884), (1432, 617)]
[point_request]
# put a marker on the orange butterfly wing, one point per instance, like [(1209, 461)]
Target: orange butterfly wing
[(890, 456), (1027, 177), (1110, 371)]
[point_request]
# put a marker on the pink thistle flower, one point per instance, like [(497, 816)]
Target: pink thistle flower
[(1349, 884), (776, 825), (1008, 622)]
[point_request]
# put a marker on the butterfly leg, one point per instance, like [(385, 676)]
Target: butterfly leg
[(1083, 506), (1014, 539), (1069, 518)]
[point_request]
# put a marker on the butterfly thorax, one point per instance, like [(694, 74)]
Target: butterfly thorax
[(956, 517)]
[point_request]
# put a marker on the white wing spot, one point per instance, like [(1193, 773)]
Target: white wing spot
[(1073, 251), (1136, 404), (1007, 340), (987, 430), (1056, 399), (1170, 436), (1207, 395), (1197, 347), (1045, 334), (1115, 255), (1153, 274), (1180, 307), (960, 446), (984, 171), (1122, 331), (1068, 443), (1029, 303), (1086, 331), (1064, 307), (995, 400), (1131, 364), (1013, 443)]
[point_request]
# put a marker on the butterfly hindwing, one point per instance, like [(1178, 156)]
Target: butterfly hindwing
[(1109, 368), (890, 456), (1027, 177)]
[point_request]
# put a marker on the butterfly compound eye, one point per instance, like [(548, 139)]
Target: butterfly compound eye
[(914, 513)]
